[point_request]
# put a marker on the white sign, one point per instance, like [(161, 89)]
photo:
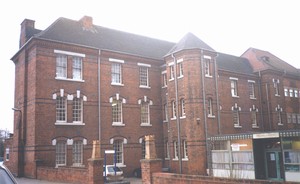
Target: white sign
[(266, 135), (109, 151)]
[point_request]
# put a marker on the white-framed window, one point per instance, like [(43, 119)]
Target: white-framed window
[(61, 109), (253, 112), (61, 66), (173, 103), (182, 107), (172, 72), (185, 150), (62, 61), (7, 154), (236, 116), (289, 117), (296, 94), (116, 73), (166, 112), (294, 118), (298, 118), (210, 108), (207, 67), (180, 69), (61, 153), (145, 113), (144, 76), (117, 109), (286, 92), (167, 150), (234, 87), (164, 79), (175, 146), (77, 110), (291, 93), (77, 153), (278, 109), (77, 68), (276, 86), (251, 89), (118, 147)]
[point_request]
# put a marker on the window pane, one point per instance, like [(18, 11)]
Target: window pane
[(77, 68), (60, 153), (116, 73), (61, 66), (77, 152), (145, 113), (117, 111), (60, 109), (143, 76), (118, 147), (77, 109)]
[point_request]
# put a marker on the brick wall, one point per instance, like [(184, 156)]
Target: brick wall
[(166, 178)]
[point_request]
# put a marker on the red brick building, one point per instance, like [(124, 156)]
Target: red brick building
[(211, 113)]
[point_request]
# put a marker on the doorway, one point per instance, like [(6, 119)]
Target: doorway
[(274, 165)]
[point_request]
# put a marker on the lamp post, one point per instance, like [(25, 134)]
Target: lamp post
[(21, 143)]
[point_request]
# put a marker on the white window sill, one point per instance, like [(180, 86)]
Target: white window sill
[(175, 159), (185, 159), (164, 87), (171, 79), (117, 84), (277, 95), (146, 125), (280, 124), (252, 98), (68, 79), (165, 121), (237, 126), (208, 76), (255, 126), (78, 165), (60, 165), (235, 96), (120, 165), (182, 117), (179, 77), (211, 116), (145, 87), (173, 118), (69, 124), (118, 124)]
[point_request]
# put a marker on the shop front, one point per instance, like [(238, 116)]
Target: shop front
[(270, 156)]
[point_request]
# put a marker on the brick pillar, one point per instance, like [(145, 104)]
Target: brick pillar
[(95, 165), (151, 163)]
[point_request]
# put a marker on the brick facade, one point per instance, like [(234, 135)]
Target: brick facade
[(201, 90)]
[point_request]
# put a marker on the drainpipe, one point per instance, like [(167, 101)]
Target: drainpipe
[(204, 108), (177, 116), (260, 103), (217, 96), (99, 96)]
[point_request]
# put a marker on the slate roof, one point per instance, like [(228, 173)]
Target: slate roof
[(190, 41), (70, 31), (271, 61), (234, 63)]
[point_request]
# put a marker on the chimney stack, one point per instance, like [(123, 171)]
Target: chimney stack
[(87, 22), (25, 26)]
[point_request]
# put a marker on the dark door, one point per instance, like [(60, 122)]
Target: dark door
[(274, 160)]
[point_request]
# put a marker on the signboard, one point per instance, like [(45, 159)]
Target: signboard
[(266, 135), (109, 151)]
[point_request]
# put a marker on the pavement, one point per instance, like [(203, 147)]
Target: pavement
[(36, 181)]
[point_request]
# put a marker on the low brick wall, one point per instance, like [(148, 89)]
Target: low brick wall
[(166, 178), (63, 174)]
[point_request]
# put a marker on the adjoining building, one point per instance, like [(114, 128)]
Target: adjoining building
[(210, 112)]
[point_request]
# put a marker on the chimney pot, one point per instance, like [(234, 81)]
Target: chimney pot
[(87, 22), (25, 25)]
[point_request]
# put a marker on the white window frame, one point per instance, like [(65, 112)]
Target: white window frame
[(253, 112), (251, 86), (278, 109), (145, 113), (61, 66), (296, 93), (77, 150), (182, 107), (77, 68), (236, 116), (276, 86), (210, 108), (143, 145), (144, 77), (167, 150), (234, 87), (291, 92), (207, 66), (61, 153), (77, 110), (185, 150), (286, 92), (166, 117), (175, 146), (172, 72), (117, 112), (116, 73), (174, 113), (61, 110), (118, 146), (164, 79)]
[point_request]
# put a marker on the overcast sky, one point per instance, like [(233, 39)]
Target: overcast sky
[(228, 26)]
